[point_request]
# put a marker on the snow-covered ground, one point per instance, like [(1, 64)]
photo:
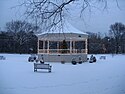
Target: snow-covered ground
[(103, 77)]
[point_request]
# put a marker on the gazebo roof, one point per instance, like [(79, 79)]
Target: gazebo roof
[(68, 33), (68, 28)]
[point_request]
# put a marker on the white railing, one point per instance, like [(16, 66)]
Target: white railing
[(62, 51)]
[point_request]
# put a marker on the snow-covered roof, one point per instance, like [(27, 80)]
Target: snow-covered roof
[(67, 28), (69, 32)]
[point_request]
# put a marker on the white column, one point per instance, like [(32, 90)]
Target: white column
[(70, 45), (74, 47), (86, 48)]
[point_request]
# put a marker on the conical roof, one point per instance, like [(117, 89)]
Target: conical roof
[(67, 28)]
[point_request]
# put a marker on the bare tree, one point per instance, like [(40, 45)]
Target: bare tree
[(20, 31), (117, 31), (50, 14)]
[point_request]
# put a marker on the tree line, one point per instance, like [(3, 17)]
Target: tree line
[(19, 37), (113, 43)]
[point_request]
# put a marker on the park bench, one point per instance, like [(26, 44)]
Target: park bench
[(103, 57), (2, 58), (42, 66)]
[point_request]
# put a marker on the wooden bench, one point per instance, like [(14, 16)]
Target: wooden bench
[(42, 66), (103, 57), (2, 58)]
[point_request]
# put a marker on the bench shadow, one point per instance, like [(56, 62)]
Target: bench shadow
[(42, 72)]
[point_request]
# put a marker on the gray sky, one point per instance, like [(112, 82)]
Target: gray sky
[(94, 21), (100, 20), (8, 12)]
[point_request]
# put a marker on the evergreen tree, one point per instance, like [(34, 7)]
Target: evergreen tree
[(64, 47)]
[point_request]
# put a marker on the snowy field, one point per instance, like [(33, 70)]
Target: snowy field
[(103, 77)]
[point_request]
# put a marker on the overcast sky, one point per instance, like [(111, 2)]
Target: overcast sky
[(96, 21)]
